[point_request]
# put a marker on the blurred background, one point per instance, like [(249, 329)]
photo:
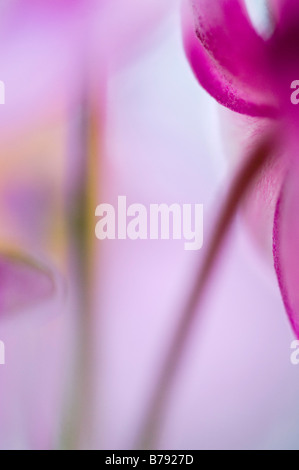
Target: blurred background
[(101, 102)]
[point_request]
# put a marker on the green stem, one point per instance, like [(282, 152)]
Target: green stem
[(79, 419)]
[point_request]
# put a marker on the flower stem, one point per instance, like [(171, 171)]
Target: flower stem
[(255, 162), (79, 427)]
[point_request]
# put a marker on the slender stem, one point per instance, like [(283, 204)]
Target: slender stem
[(86, 266), (79, 420), (255, 162)]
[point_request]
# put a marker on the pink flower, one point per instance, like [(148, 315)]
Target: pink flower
[(252, 75)]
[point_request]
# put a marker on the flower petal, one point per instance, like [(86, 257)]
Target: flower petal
[(283, 57), (227, 56), (286, 12), (225, 30), (286, 246), (23, 283)]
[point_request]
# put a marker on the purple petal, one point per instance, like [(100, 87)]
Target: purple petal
[(283, 56), (225, 30), (227, 56), (286, 246), (23, 283), (286, 12)]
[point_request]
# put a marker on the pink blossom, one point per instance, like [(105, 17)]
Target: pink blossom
[(252, 75), (53, 56)]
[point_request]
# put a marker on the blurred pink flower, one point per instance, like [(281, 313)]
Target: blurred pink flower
[(252, 75), (53, 55), (48, 48)]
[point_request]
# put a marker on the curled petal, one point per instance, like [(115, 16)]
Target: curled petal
[(286, 246), (283, 56), (227, 56), (225, 30)]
